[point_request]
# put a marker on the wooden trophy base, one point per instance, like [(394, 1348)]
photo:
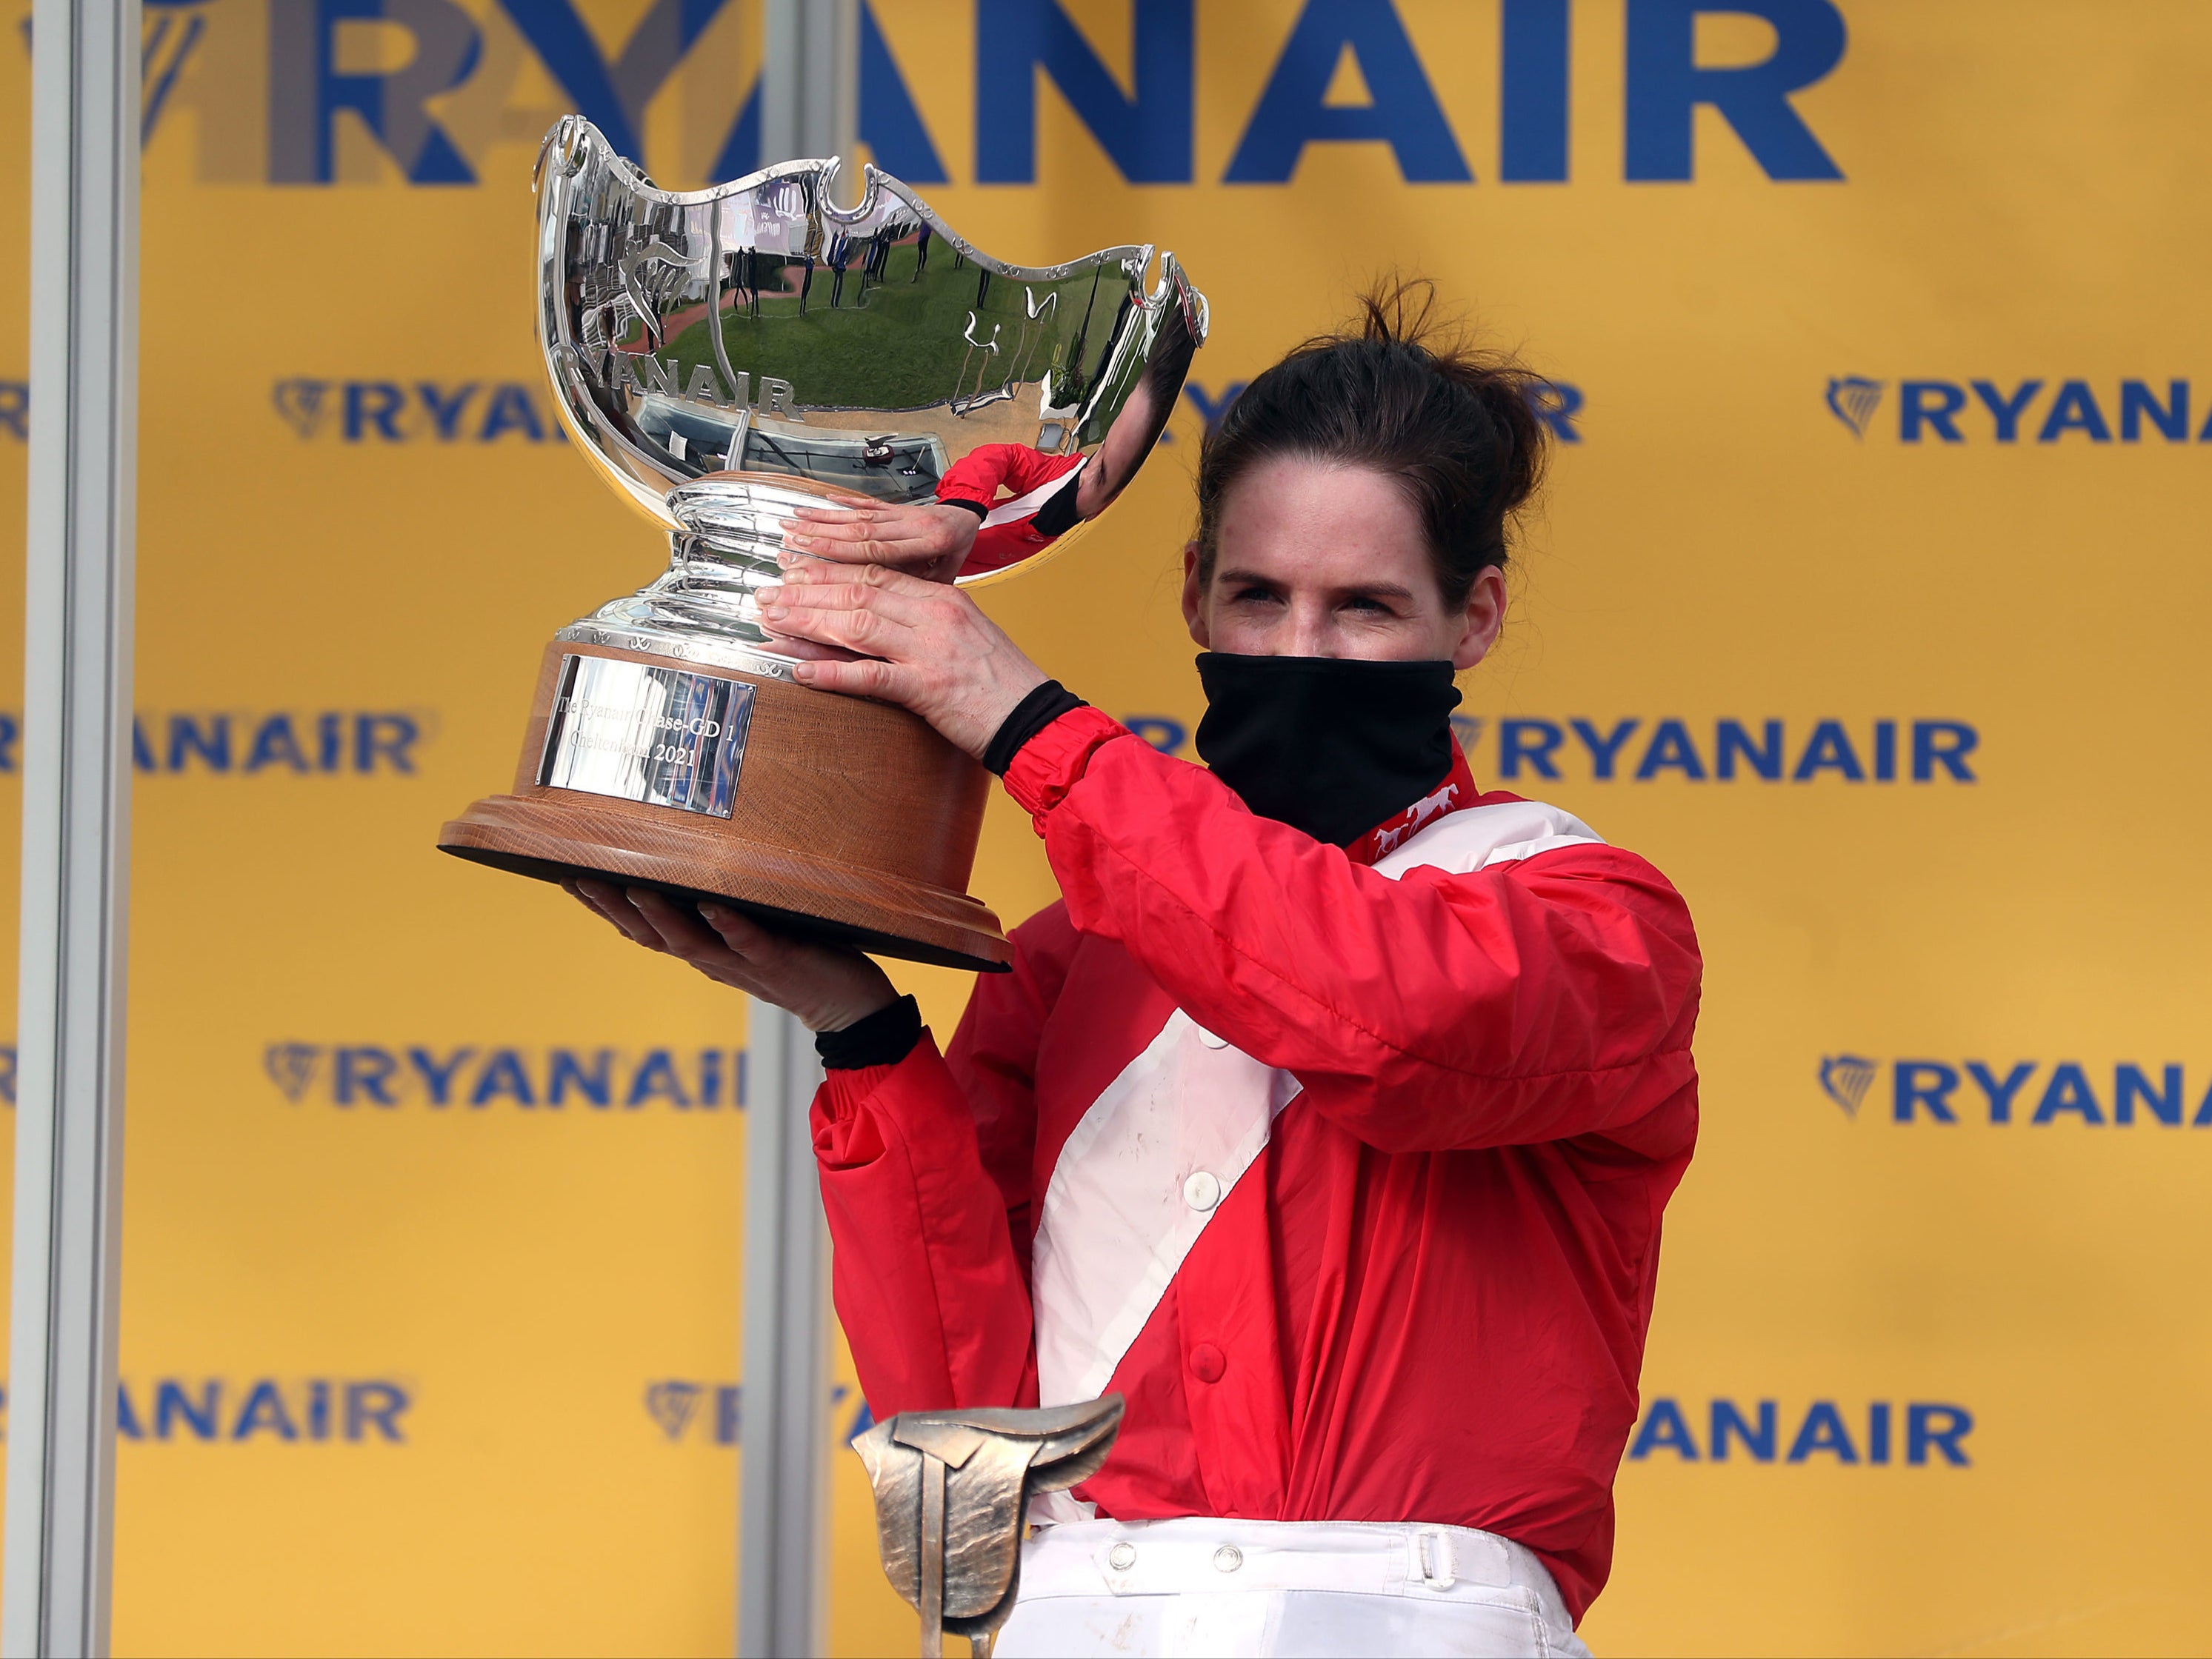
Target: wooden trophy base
[(852, 822)]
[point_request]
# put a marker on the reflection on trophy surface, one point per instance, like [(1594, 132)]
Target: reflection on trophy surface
[(725, 357)]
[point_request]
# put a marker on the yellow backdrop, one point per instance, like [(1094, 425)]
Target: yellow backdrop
[(1864, 601)]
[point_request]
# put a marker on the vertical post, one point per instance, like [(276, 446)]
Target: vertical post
[(783, 1437), (811, 83), (77, 795), (810, 106)]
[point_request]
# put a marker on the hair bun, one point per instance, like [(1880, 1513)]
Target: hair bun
[(1402, 390)]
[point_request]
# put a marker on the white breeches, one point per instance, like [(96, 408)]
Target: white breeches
[(1196, 1587)]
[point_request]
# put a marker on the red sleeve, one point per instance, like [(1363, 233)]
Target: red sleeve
[(994, 1059), (925, 1169), (1536, 1000), (976, 477), (997, 545)]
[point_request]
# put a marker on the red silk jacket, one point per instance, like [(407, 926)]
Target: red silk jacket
[(1347, 1174)]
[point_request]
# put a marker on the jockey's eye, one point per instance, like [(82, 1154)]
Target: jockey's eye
[(1373, 607)]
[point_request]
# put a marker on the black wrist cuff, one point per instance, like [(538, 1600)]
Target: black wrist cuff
[(1031, 715), (976, 508), (884, 1038)]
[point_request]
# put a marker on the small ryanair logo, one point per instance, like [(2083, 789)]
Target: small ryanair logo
[(1845, 1077), (673, 1404), (393, 1075), (1639, 748), (1931, 1433), (2031, 409), (1852, 399), (300, 1411), (278, 742), (391, 412), (292, 1067), (2037, 1093), (300, 403), (217, 1408), (169, 31)]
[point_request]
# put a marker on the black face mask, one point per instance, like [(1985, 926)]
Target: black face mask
[(1330, 745)]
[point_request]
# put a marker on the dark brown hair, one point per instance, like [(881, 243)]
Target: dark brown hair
[(1404, 394)]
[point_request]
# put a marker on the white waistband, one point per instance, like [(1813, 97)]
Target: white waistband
[(1195, 1555)]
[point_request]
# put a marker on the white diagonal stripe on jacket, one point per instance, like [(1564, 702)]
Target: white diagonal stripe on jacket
[(1117, 1220)]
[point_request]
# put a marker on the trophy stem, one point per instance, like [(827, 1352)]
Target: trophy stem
[(724, 550)]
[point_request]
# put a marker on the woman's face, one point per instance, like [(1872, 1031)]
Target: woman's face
[(1318, 560)]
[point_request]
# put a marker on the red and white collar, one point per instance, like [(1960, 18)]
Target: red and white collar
[(1456, 791)]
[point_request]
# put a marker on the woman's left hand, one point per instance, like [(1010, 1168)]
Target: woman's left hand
[(927, 647)]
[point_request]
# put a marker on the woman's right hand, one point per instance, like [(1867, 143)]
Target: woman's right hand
[(828, 986), (923, 538)]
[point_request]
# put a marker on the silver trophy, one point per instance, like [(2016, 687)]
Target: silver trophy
[(726, 356)]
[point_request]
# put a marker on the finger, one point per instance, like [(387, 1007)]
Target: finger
[(602, 899), (774, 954), (862, 533), (820, 594), (837, 537), (866, 555), (705, 949), (608, 901), (865, 619), (906, 554), (868, 633), (852, 527), (908, 600), (745, 936), (888, 682), (677, 924), (916, 537), (801, 571), (612, 905), (869, 555), (792, 646)]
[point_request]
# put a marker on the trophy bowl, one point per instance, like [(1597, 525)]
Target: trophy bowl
[(724, 357)]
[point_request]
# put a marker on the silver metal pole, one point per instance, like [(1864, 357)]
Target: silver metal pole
[(811, 83), (76, 826), (783, 1502), (810, 106)]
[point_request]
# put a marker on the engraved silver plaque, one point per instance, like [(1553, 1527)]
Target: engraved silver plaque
[(667, 737)]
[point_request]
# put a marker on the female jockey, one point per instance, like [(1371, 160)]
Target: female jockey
[(1330, 1115)]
